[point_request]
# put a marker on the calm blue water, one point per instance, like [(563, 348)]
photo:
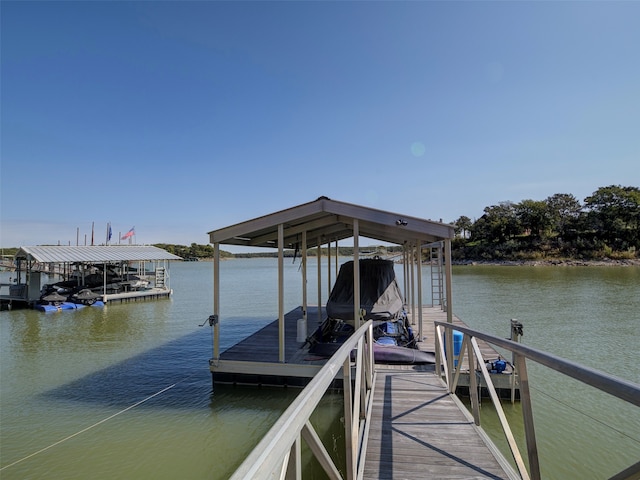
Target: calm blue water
[(65, 372)]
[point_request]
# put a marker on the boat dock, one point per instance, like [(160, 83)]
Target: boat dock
[(417, 429), (255, 359), (400, 421), (105, 270)]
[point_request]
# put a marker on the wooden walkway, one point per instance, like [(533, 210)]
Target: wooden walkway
[(419, 431)]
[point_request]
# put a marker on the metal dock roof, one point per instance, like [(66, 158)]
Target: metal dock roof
[(325, 219), (95, 254)]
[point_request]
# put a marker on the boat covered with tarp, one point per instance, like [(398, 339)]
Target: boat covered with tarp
[(380, 301)]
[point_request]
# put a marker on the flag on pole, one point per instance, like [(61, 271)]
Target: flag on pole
[(129, 234), (109, 232)]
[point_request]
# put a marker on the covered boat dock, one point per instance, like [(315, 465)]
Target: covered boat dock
[(117, 273), (319, 224)]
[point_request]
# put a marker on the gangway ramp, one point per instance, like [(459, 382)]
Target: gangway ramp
[(418, 430)]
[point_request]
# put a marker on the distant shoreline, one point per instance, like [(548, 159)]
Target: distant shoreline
[(627, 262), (568, 262)]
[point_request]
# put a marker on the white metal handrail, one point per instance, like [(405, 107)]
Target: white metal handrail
[(278, 455), (617, 387)]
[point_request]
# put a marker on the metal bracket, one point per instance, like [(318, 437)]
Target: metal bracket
[(516, 327)]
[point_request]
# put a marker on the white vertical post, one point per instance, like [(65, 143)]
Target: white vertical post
[(281, 292), (449, 306), (337, 256), (527, 414), (419, 274), (216, 300), (319, 259), (405, 273), (304, 276), (328, 268), (356, 273), (412, 281), (351, 457)]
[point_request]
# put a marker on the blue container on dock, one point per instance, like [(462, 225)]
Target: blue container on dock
[(457, 345)]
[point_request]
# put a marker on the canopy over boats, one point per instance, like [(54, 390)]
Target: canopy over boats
[(313, 225), (87, 272)]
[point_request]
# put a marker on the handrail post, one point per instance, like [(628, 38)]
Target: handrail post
[(527, 414), (473, 382), (294, 463), (516, 333), (348, 419), (513, 446)]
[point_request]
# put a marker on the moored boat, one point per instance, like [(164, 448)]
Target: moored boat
[(381, 302)]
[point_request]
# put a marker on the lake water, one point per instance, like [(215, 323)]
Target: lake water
[(79, 390)]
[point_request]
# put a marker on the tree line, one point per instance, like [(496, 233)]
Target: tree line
[(605, 225)]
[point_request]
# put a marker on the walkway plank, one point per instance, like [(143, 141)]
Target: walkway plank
[(417, 431)]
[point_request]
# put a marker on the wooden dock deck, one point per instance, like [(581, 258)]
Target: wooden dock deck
[(418, 431), (254, 360)]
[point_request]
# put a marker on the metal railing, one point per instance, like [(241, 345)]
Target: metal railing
[(617, 387), (278, 455)]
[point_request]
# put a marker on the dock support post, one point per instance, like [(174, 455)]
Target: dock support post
[(216, 300), (412, 259), (405, 276), (419, 274), (319, 260), (281, 293), (328, 268), (337, 257), (304, 276), (356, 274)]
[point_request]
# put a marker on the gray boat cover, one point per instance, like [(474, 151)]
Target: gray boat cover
[(380, 294)]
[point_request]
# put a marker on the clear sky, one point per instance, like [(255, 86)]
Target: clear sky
[(182, 117)]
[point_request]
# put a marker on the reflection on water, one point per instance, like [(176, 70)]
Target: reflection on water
[(64, 372)]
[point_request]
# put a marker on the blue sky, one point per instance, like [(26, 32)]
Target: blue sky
[(182, 117)]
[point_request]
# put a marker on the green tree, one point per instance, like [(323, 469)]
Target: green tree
[(614, 213), (564, 209), (498, 223), (462, 226), (533, 216)]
